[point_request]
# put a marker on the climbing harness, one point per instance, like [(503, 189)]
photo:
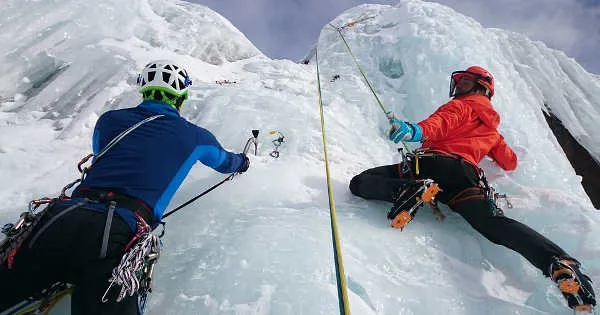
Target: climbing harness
[(276, 142), (489, 192)]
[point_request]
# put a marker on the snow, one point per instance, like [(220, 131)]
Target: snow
[(262, 243)]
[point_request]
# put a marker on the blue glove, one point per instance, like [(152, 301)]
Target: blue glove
[(245, 165), (404, 131)]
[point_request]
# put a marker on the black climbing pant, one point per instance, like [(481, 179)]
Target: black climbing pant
[(459, 181), (68, 250)]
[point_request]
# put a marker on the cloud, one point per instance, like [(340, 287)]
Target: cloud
[(572, 26), (289, 28)]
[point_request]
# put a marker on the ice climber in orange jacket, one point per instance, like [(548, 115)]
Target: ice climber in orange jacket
[(456, 137)]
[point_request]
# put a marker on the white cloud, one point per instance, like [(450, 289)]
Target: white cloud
[(572, 26)]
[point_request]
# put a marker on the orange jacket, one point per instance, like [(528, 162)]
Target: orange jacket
[(467, 126)]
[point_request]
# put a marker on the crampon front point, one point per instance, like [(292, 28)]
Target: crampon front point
[(410, 199)]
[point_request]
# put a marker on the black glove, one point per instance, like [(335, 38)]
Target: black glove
[(245, 164)]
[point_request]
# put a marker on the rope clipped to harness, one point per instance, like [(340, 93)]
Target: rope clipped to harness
[(134, 272)]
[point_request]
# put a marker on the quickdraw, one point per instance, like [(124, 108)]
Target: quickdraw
[(276, 142), (134, 272)]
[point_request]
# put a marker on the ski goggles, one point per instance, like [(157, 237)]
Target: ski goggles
[(459, 75), (456, 77)]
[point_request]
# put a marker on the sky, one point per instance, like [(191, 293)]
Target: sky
[(287, 29)]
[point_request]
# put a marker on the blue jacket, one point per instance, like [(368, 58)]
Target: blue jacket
[(151, 162)]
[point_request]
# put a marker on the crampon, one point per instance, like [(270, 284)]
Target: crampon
[(409, 200), (574, 285)]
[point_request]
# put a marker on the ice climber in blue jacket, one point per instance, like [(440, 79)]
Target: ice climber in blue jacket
[(138, 176)]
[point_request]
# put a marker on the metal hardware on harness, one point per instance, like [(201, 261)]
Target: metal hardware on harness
[(505, 197), (134, 272), (16, 233), (405, 163), (492, 195), (495, 199), (146, 282)]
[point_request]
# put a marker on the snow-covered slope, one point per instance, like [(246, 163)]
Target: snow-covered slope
[(57, 54), (261, 243)]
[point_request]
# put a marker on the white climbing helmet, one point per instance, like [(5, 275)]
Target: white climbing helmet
[(165, 76)]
